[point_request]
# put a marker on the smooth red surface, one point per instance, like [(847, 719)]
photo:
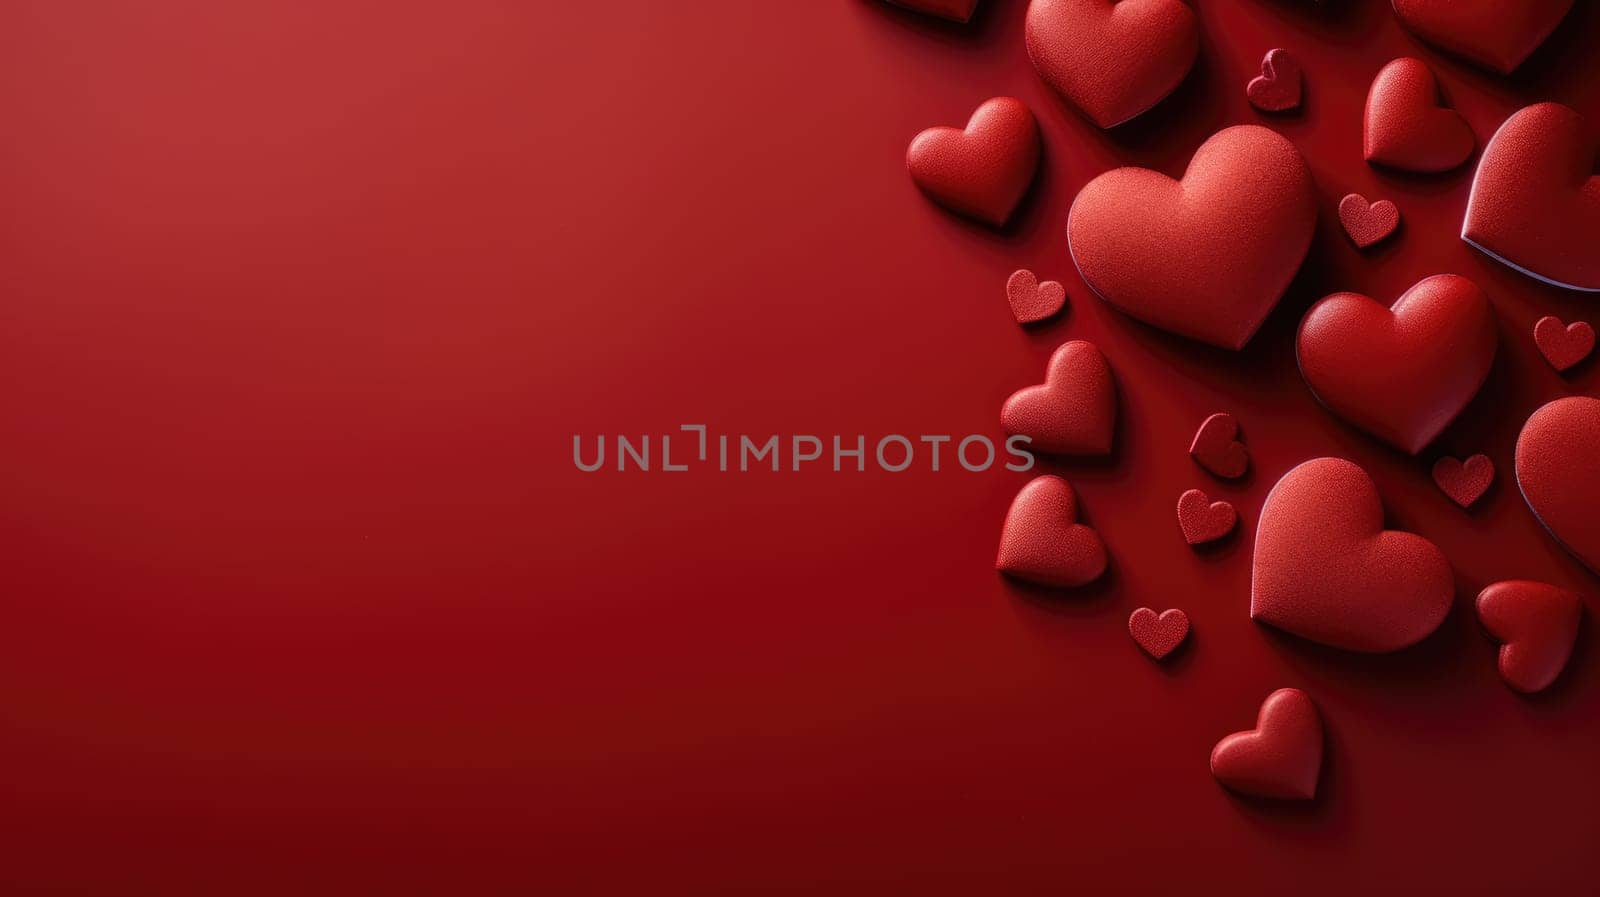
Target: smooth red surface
[(303, 595)]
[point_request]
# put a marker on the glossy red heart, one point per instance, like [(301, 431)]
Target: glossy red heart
[(1563, 345), (1558, 470), (1368, 223), (1499, 34), (1278, 87), (1159, 635), (1208, 256), (1464, 481), (1406, 128), (1074, 412), (954, 10), (1326, 569), (1044, 543), (1203, 520), (1031, 300), (1217, 449), (1112, 60), (984, 170), (1536, 624), (1402, 373), (1281, 757), (1535, 202)]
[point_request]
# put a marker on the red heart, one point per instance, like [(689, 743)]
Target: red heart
[(1158, 635), (954, 10), (1535, 202), (1043, 542), (1499, 34), (1558, 469), (1277, 88), (1536, 625), (1031, 300), (1401, 374), (1367, 223), (1406, 128), (1281, 757), (1465, 482), (1327, 570), (1203, 520), (1563, 345), (1216, 448), (1111, 59), (1209, 256), (1074, 412), (982, 171)]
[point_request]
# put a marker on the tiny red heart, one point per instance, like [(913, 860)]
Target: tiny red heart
[(1159, 635), (1563, 345), (1536, 625), (1216, 447), (1031, 300), (1464, 481), (1368, 223), (981, 171), (1281, 757), (1203, 520), (1074, 412), (1043, 542), (1278, 87)]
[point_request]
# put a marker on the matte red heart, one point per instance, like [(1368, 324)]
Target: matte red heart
[(1402, 373), (1406, 128), (1203, 520), (954, 10), (1278, 87), (1282, 757), (1535, 202), (1206, 257), (1536, 625), (1158, 635), (1217, 449), (1563, 345), (1368, 223), (1558, 470), (1031, 300), (982, 171), (1074, 412), (1044, 543), (1327, 570), (1113, 60), (1465, 482), (1499, 34)]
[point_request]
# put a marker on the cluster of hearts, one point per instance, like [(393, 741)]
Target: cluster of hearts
[(1324, 566)]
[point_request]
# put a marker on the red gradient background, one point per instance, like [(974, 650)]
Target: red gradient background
[(304, 301)]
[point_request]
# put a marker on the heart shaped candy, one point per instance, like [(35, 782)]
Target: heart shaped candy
[(1368, 223), (1282, 757), (1043, 542), (1536, 625), (1203, 520), (1278, 87), (1406, 128), (1113, 59), (1158, 635), (1558, 470), (1074, 412), (1498, 34), (1464, 481), (981, 171), (1031, 300), (1563, 345), (1217, 449)]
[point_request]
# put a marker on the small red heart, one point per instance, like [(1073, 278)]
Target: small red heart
[(1465, 482), (1074, 412), (1494, 33), (954, 10), (1536, 625), (1031, 300), (1563, 345), (1217, 448), (1558, 470), (984, 170), (1158, 635), (1278, 87), (1281, 757), (1367, 223), (1113, 59), (1203, 520), (1406, 128), (1044, 543)]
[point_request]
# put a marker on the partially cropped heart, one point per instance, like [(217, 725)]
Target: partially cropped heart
[(1216, 447), (1402, 373), (1111, 59), (1327, 570), (1558, 469), (984, 170), (1536, 624), (1158, 634), (1464, 481), (1208, 256), (1282, 757), (1203, 520), (1367, 223), (1278, 87), (1406, 128), (1499, 34), (954, 10), (1563, 345), (1031, 300), (1074, 412), (1535, 202), (1044, 543)]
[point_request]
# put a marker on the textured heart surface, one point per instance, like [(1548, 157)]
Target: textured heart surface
[(1043, 542), (1558, 470), (1536, 625), (1074, 412), (1158, 634), (1112, 60), (1563, 345), (1278, 87), (954, 10), (1216, 447), (1208, 256), (1368, 223), (1031, 300), (1535, 201), (981, 171), (1438, 341), (1406, 128), (1464, 481), (1281, 757), (1203, 520), (1499, 34), (1326, 569)]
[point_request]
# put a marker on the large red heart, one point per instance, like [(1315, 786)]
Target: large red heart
[(1113, 60), (1208, 256), (1327, 570), (984, 170), (1558, 469), (1074, 412), (1280, 758), (1498, 34), (954, 10), (1535, 202), (1406, 128), (1042, 540), (1536, 625), (1402, 373)]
